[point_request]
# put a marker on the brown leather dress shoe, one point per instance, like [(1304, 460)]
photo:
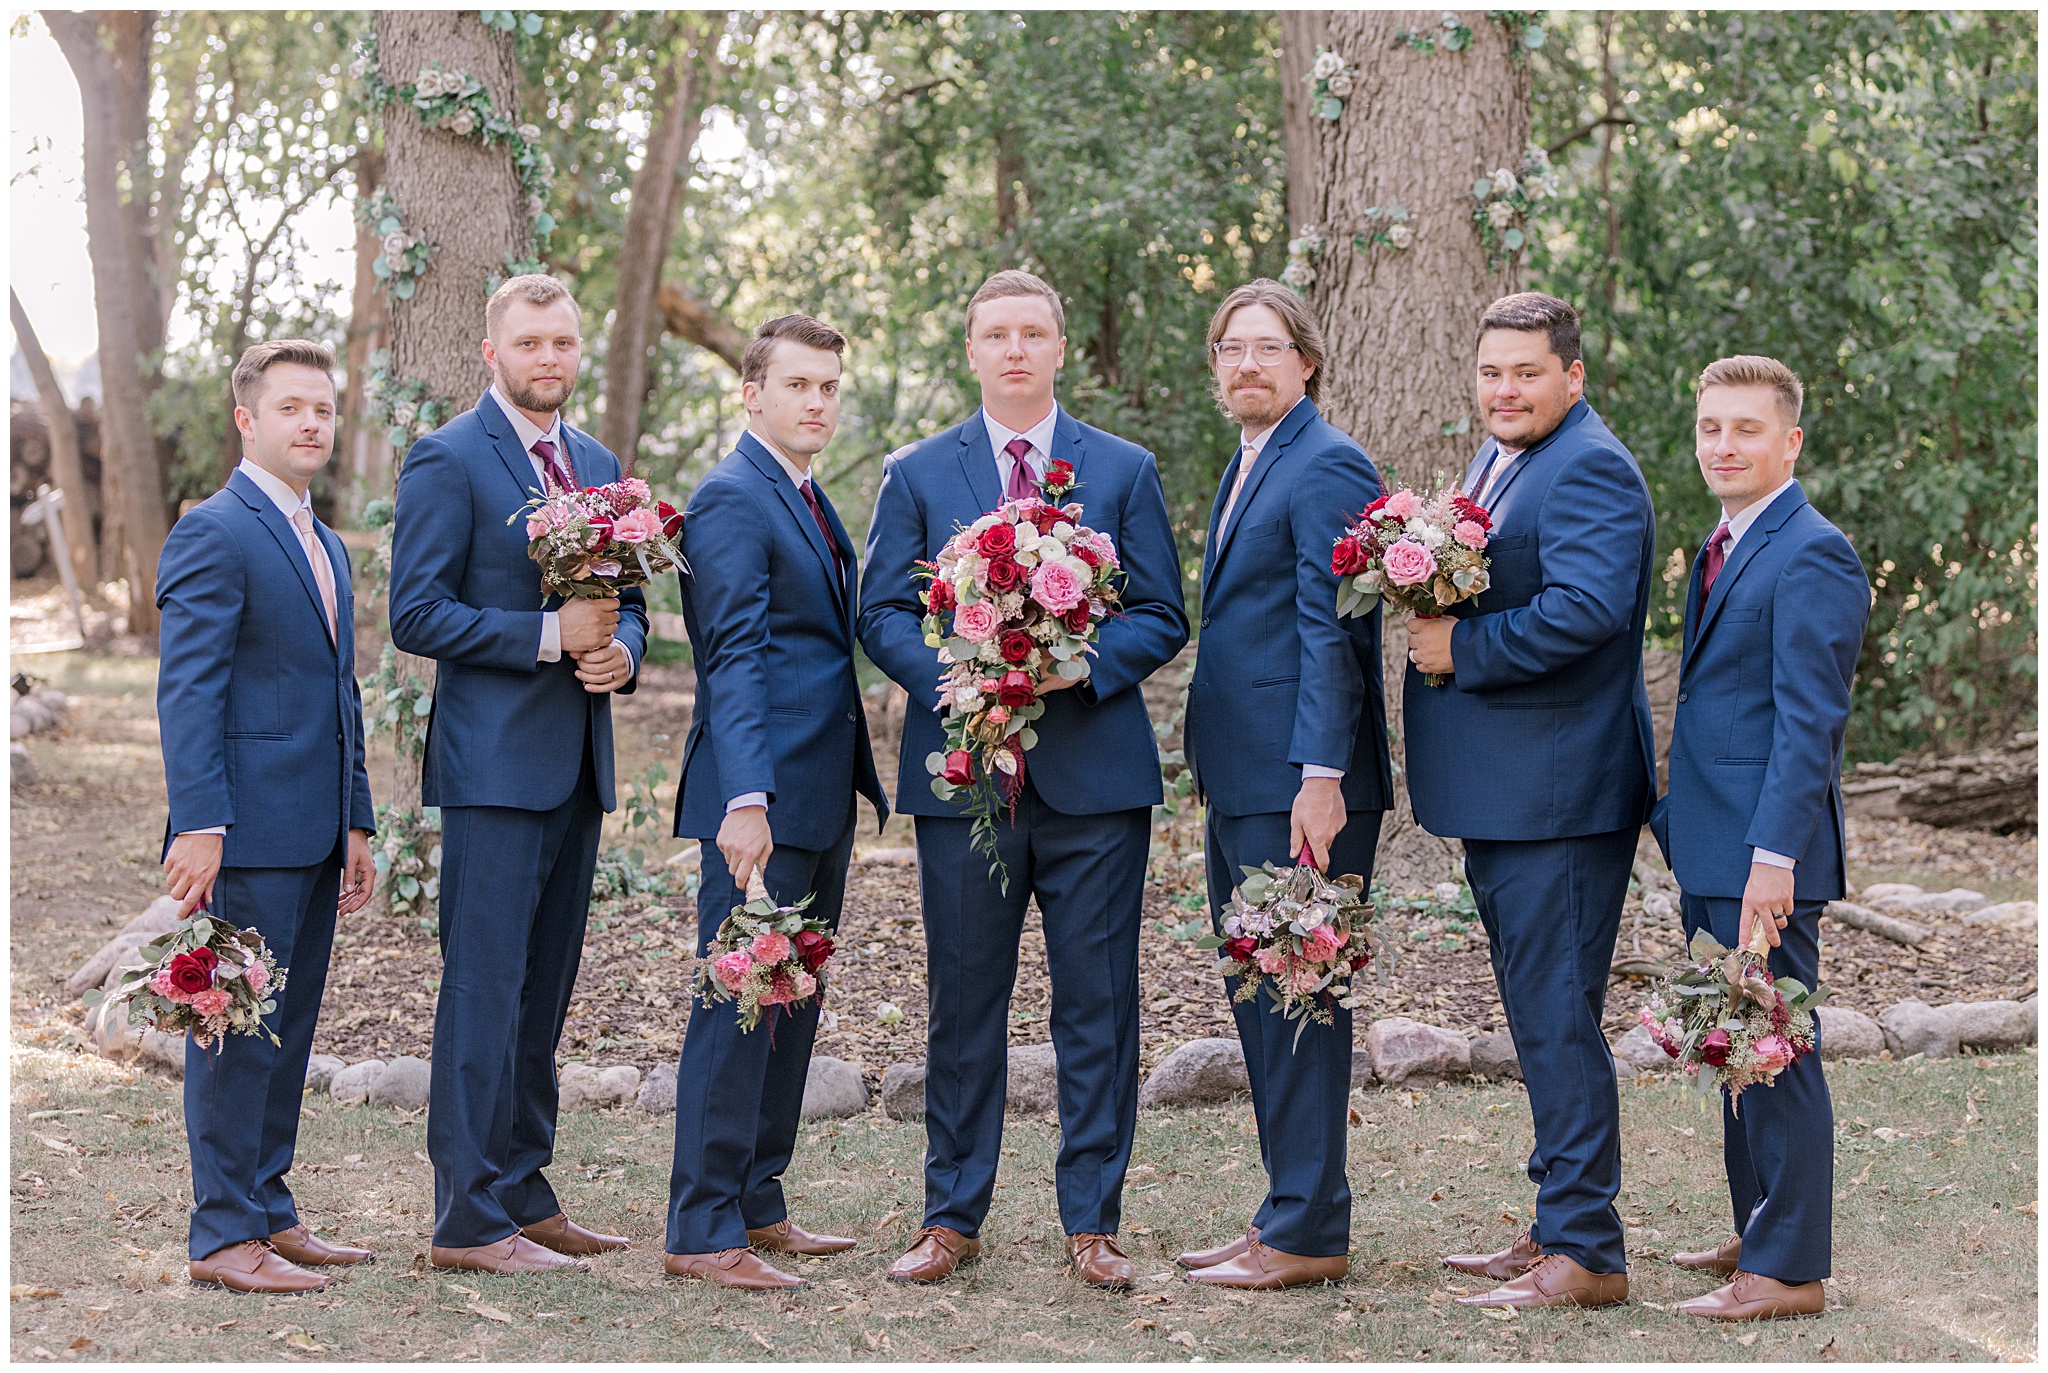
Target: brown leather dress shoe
[(787, 1237), (1098, 1262), (1209, 1258), (512, 1254), (253, 1266), (934, 1255), (1754, 1297), (1511, 1262), (565, 1236), (301, 1246), (1555, 1280), (1724, 1259), (738, 1268), (1262, 1267)]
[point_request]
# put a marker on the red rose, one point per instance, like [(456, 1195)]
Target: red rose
[(1077, 619), (1015, 689), (1015, 646), (671, 519), (1045, 517), (1004, 575), (960, 766), (1469, 509), (1348, 558), (1374, 508), (189, 975), (1361, 960), (1087, 555), (1241, 948), (998, 541), (938, 598), (205, 958), (601, 527), (812, 949), (1714, 1049)]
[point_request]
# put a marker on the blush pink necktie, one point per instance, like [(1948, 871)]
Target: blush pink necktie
[(323, 571), (1023, 484)]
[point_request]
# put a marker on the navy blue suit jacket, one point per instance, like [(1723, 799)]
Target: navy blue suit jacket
[(1279, 679), (1096, 752), (261, 717), (1544, 732), (771, 627), (507, 729), (1763, 702)]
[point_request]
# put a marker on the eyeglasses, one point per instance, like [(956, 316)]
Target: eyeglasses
[(1268, 351)]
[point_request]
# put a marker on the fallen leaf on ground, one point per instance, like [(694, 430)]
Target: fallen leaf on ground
[(1140, 1323), (299, 1339), (491, 1313), (1746, 1340), (31, 1293), (1183, 1337)]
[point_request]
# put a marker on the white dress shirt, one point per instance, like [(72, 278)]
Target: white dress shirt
[(1738, 525), (801, 477), (1039, 436)]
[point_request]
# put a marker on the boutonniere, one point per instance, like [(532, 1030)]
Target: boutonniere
[(1059, 481)]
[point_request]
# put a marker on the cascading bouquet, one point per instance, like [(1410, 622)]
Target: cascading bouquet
[(1027, 588), (1300, 931), (592, 542), (203, 977), (1422, 556), (1723, 1012), (765, 955)]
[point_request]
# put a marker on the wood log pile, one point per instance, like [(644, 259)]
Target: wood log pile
[(1993, 789)]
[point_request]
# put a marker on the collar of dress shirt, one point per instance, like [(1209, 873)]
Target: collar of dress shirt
[(797, 475), (1039, 435), (1257, 442), (523, 427), (1738, 525), (277, 488)]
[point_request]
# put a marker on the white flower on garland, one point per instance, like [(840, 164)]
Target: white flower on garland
[(1327, 65), (403, 414), (529, 132), (395, 246), (357, 68), (1504, 182), (1400, 235), (1340, 84), (461, 122), (1501, 213)]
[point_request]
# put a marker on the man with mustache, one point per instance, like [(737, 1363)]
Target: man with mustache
[(1287, 735), (1538, 755), (519, 759)]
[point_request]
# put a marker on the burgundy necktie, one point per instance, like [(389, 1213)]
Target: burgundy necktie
[(1023, 481), (558, 476), (1710, 566), (818, 514)]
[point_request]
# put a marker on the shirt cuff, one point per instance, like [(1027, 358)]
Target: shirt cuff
[(550, 637), (210, 829), (632, 666), (1317, 770), (745, 799), (1775, 860)]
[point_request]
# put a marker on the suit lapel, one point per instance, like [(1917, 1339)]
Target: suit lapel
[(799, 509), (1751, 543), (1270, 456), (1475, 475), (288, 540), (1690, 634), (840, 537), (978, 466), (1209, 545), (344, 595), (518, 464)]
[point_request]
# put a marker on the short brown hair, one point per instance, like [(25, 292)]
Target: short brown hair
[(1302, 329), (1530, 311), (537, 288), (1014, 282), (247, 379), (1750, 369), (801, 329)]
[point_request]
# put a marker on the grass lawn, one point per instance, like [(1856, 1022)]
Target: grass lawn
[(1934, 1243)]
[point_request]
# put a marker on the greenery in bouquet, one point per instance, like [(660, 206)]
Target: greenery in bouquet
[(1724, 1013), (765, 955), (591, 543), (1299, 932), (204, 978)]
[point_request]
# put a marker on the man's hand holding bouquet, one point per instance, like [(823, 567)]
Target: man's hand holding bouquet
[(1723, 1012), (1421, 556), (1301, 932)]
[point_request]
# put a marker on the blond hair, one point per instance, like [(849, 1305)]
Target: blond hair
[(1018, 283), (246, 381), (1751, 369), (1300, 321), (536, 288)]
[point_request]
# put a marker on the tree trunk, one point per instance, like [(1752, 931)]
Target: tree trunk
[(650, 224), (368, 455), (1417, 129), (124, 303), (67, 468)]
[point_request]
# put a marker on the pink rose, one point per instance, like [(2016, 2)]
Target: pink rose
[(1773, 1052), (1403, 505), (636, 526), (976, 623), (770, 947), (999, 715), (732, 969), (1470, 533), (210, 1003), (259, 977), (1408, 563), (1101, 545), (804, 984), (1057, 588), (535, 527), (1272, 959), (1322, 945)]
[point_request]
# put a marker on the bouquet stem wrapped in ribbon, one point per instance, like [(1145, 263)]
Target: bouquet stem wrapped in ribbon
[(763, 956), (1724, 1014), (203, 977), (1300, 932), (1421, 556), (591, 543)]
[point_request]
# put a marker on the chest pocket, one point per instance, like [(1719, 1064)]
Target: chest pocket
[(1741, 614), (1270, 529)]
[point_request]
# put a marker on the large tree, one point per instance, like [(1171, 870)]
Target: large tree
[(67, 466), (1425, 106)]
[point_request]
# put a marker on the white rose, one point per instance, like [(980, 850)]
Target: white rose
[(403, 415), (1340, 85), (1399, 235), (1327, 65), (357, 68), (1504, 182), (1501, 213), (534, 205), (529, 132), (395, 246), (428, 83), (1299, 275), (462, 123), (1536, 188)]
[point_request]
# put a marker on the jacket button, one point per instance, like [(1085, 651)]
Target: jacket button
[(1681, 698), (337, 738), (852, 718), (1205, 622)]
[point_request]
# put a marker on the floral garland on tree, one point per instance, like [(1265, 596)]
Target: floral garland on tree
[(1504, 200), (1302, 251), (1329, 83), (401, 257), (1453, 36), (1397, 234), (406, 408)]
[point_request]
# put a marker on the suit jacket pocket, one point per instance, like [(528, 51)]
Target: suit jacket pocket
[(1507, 545), (1266, 530), (1737, 613), (789, 710), (232, 734), (1276, 681)]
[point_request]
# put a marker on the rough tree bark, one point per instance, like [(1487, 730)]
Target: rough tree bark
[(368, 455), (1417, 129), (67, 468)]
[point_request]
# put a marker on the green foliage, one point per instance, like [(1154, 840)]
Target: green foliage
[(1854, 193), (407, 853)]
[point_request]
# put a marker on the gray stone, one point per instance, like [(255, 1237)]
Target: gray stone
[(1404, 1050), (903, 1090), (1493, 1056), (160, 916), (403, 1084), (1991, 1024), (1034, 1080), (578, 1087), (2014, 917), (20, 767), (320, 1071), (164, 1051), (1201, 1072), (621, 1082), (1913, 1027), (1361, 1066), (1955, 901), (833, 1090), (657, 1091), (1847, 1034), (353, 1083), (1639, 1050), (1877, 893), (1624, 1070)]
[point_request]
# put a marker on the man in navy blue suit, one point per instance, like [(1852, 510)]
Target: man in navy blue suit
[(519, 759), (1080, 830), (270, 820), (1286, 732), (777, 753), (1538, 755), (1752, 825)]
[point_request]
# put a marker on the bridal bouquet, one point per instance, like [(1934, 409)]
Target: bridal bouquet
[(1723, 1012), (1301, 932), (1012, 600), (1421, 556), (592, 542), (765, 955), (202, 977)]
